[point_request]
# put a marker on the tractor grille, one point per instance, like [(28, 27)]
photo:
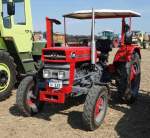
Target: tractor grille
[(55, 55)]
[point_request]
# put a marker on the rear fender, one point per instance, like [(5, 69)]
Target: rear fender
[(2, 45), (124, 54)]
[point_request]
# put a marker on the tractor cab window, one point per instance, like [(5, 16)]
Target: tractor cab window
[(6, 17), (19, 17)]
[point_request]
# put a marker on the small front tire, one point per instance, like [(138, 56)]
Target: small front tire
[(27, 98), (95, 107)]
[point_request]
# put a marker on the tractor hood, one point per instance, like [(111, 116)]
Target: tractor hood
[(66, 54)]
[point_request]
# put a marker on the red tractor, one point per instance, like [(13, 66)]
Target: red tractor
[(71, 71)]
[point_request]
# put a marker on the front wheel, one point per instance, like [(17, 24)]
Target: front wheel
[(27, 98), (95, 107)]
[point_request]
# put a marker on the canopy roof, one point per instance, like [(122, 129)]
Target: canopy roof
[(103, 13)]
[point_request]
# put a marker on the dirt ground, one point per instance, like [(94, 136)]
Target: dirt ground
[(65, 121)]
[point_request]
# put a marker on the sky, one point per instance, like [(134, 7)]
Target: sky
[(56, 8)]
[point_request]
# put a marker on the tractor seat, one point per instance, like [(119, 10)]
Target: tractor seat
[(128, 38), (104, 45)]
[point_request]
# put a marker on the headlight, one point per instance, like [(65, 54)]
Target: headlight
[(61, 75), (46, 74), (51, 74)]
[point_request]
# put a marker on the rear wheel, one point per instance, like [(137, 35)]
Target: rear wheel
[(129, 79), (27, 98), (95, 107), (7, 75)]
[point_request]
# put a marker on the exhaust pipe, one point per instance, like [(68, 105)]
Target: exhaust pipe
[(93, 45)]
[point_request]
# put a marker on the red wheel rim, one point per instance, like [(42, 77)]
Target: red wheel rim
[(134, 72), (31, 99), (98, 108)]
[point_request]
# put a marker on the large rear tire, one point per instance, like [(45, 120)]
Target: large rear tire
[(129, 77), (7, 75), (27, 98), (95, 107)]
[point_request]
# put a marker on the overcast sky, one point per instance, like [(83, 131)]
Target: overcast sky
[(56, 8)]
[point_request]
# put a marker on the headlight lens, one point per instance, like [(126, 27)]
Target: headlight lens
[(61, 75), (46, 74)]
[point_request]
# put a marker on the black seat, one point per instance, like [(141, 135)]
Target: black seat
[(128, 38), (128, 35)]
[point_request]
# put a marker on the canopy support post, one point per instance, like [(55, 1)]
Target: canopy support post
[(123, 32), (65, 31), (130, 23), (93, 47)]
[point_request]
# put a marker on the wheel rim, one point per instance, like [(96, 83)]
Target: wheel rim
[(4, 77), (99, 109), (134, 71), (135, 78), (32, 99)]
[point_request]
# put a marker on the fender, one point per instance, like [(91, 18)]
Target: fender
[(125, 52), (2, 44)]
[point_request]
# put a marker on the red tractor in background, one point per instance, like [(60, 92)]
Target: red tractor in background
[(71, 71)]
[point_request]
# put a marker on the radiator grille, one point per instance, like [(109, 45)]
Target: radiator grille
[(55, 55)]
